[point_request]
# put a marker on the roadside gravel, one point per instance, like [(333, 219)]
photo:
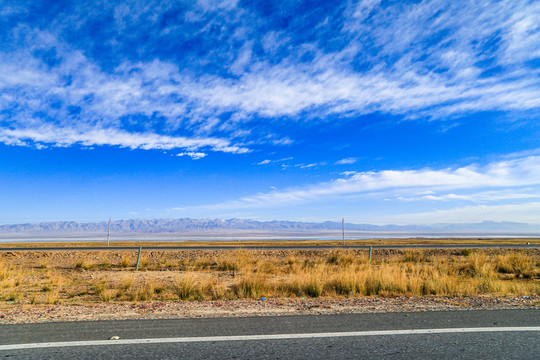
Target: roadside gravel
[(18, 314)]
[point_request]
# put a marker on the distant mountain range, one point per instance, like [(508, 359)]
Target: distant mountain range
[(216, 226)]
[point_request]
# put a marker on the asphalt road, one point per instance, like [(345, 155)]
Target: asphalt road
[(294, 247), (495, 334)]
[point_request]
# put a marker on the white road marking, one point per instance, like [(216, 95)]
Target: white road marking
[(263, 337)]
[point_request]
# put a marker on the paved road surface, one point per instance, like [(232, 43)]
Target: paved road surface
[(294, 247), (496, 334)]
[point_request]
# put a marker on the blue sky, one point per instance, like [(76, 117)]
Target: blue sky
[(376, 111)]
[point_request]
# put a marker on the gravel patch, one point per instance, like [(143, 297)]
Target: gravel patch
[(19, 314)]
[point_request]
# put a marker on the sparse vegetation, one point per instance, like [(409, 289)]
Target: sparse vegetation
[(52, 298), (250, 286), (466, 252), (216, 275), (84, 265), (125, 262), (186, 288)]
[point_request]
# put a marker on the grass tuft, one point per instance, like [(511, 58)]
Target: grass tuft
[(187, 289), (250, 286)]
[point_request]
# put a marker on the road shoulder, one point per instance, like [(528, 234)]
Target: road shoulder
[(21, 314)]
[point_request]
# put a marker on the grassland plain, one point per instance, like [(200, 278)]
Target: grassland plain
[(91, 277)]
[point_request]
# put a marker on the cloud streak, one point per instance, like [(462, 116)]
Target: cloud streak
[(63, 137), (193, 155), (346, 161), (523, 213), (434, 60), (512, 173)]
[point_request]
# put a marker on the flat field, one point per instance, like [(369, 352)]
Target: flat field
[(273, 243), (89, 277)]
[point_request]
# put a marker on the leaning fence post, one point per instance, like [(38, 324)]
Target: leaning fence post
[(370, 250), (138, 259)]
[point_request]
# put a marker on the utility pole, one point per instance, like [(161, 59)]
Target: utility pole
[(109, 232), (343, 230)]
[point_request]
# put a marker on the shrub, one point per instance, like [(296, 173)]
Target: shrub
[(466, 252)]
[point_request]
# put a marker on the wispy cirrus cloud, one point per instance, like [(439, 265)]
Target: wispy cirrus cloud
[(501, 175), (479, 197), (522, 213), (346, 161), (428, 59), (268, 161), (433, 59), (62, 137)]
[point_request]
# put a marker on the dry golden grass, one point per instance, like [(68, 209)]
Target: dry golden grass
[(199, 275), (187, 288), (125, 261)]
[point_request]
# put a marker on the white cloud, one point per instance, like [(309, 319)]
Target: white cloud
[(243, 60), (284, 90), (268, 161), (307, 166), (346, 161), (193, 155), (445, 197), (212, 5), (364, 8), (478, 197), (447, 82), (419, 60), (517, 172), (282, 141), (523, 213), (55, 136)]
